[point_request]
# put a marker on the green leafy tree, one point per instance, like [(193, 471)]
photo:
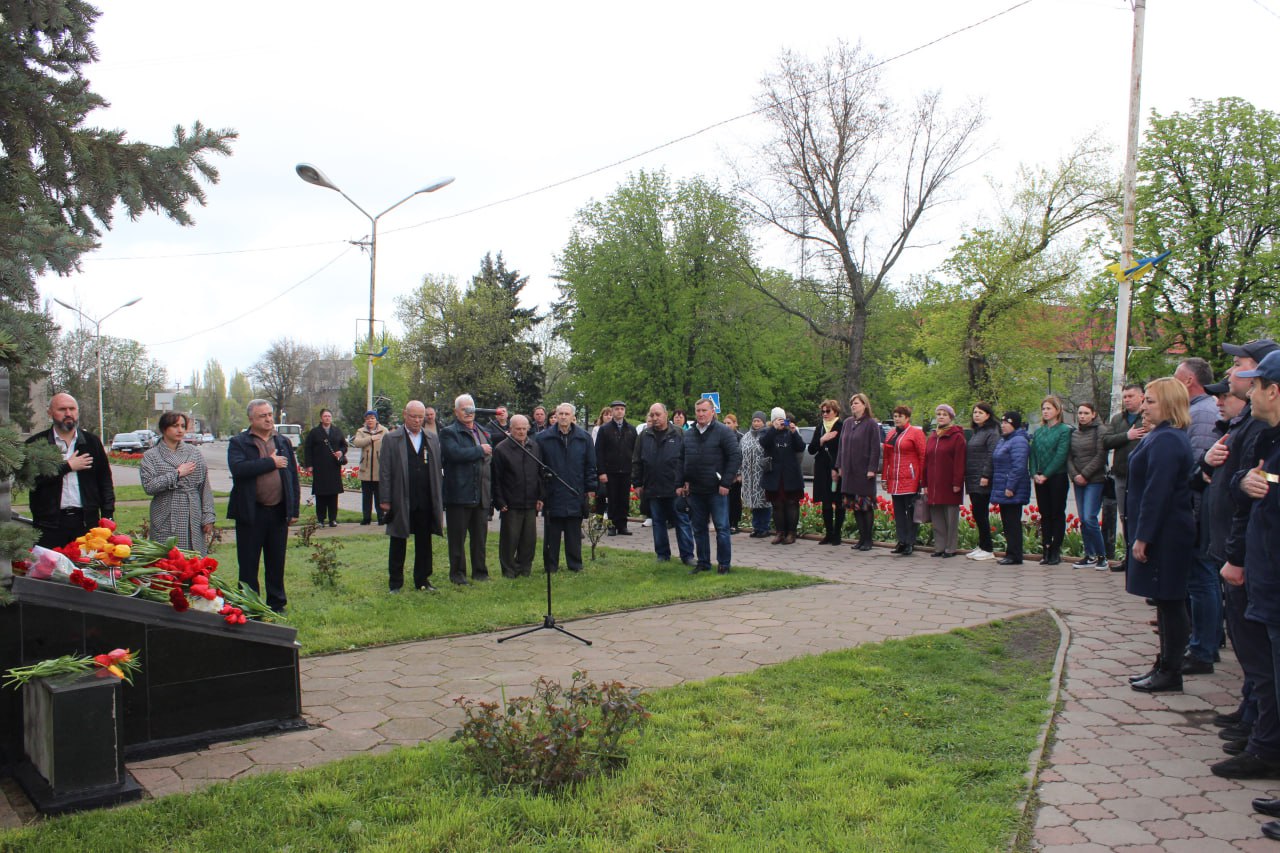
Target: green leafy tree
[(239, 393), (655, 304), (1209, 191), (476, 340), (62, 180), (213, 397), (390, 386)]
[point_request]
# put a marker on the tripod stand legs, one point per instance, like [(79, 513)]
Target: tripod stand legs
[(548, 622)]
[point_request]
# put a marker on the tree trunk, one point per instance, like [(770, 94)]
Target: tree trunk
[(979, 373), (857, 343)]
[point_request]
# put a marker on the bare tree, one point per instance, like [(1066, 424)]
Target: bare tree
[(839, 145), (278, 373)]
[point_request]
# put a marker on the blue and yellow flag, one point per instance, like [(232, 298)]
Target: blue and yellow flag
[(1142, 267)]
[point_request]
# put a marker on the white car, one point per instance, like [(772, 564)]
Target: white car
[(207, 438)]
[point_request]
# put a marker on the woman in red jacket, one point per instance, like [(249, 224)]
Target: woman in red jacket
[(943, 480), (903, 465)]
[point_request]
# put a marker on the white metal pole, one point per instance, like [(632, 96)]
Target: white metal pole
[(1120, 357)]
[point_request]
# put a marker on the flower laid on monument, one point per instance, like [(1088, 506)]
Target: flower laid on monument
[(122, 663), (105, 561)]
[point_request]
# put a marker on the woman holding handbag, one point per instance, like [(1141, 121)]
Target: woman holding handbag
[(824, 447), (903, 464)]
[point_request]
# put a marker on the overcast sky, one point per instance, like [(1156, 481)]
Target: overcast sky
[(385, 97)]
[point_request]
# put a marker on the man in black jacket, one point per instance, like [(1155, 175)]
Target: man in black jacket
[(657, 469), (64, 506), (567, 451), (615, 444), (711, 462), (264, 501), (1124, 431), (517, 495)]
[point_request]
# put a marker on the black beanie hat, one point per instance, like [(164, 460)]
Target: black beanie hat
[(1013, 418)]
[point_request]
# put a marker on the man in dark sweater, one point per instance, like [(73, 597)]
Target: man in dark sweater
[(711, 462), (615, 444)]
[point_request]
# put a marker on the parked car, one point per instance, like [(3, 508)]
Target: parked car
[(128, 442), (192, 438), (207, 438), (293, 432), (806, 461), (148, 437)]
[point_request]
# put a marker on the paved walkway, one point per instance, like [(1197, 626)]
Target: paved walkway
[(1125, 771)]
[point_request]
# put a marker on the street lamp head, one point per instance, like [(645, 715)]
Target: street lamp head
[(133, 301), (312, 175), (430, 188), (65, 305)]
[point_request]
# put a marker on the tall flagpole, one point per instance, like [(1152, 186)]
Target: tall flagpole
[(1120, 356)]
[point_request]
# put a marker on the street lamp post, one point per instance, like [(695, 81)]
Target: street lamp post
[(97, 345), (312, 175)]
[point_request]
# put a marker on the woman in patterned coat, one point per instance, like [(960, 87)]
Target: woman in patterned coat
[(752, 471), (174, 474)]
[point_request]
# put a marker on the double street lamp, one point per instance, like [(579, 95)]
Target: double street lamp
[(97, 345), (312, 175)]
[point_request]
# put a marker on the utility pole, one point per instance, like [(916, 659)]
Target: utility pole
[(1120, 351)]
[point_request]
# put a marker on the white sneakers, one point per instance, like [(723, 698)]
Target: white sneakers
[(979, 554), (648, 522)]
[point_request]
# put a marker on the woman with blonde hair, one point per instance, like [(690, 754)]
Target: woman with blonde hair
[(859, 460), (1162, 526), (824, 447), (1050, 445)]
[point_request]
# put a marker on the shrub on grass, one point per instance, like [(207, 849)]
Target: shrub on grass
[(325, 565), (557, 736)]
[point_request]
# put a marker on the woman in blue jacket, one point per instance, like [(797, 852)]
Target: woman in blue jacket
[(1162, 526), (1011, 483)]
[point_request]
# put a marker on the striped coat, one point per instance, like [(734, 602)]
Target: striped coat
[(180, 506)]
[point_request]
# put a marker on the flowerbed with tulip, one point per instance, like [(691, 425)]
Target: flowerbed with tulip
[(129, 460), (350, 477), (811, 522), (104, 560)]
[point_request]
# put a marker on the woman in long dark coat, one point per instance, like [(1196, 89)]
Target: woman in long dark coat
[(784, 481), (978, 473), (326, 451), (860, 440), (824, 447), (1162, 526)]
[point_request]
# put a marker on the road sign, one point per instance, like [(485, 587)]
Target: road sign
[(714, 397)]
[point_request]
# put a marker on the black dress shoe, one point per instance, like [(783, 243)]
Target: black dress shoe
[(722, 570), (1231, 719), (948, 554), (1236, 732), (1192, 666), (900, 547), (1234, 747), (460, 581), (365, 522), (1271, 829), (629, 533), (1267, 806), (1246, 765), (1008, 561), (1134, 679), (938, 554), (1161, 682), (908, 550)]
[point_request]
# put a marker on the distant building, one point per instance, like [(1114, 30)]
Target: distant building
[(322, 381)]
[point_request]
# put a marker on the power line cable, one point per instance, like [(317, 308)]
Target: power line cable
[(189, 335), (668, 144)]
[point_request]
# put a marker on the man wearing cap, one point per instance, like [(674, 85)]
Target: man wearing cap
[(368, 439), (1257, 719), (1124, 431), (1255, 485), (615, 444)]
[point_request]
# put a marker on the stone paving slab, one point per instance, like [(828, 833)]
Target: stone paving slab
[(1124, 772)]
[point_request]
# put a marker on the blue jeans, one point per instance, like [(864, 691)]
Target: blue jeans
[(1088, 505), (662, 510), (760, 519), (1204, 592), (716, 508)]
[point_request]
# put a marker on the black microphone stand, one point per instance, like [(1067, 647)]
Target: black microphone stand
[(548, 620)]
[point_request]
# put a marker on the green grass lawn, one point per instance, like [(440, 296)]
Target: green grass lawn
[(912, 745), (361, 613)]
